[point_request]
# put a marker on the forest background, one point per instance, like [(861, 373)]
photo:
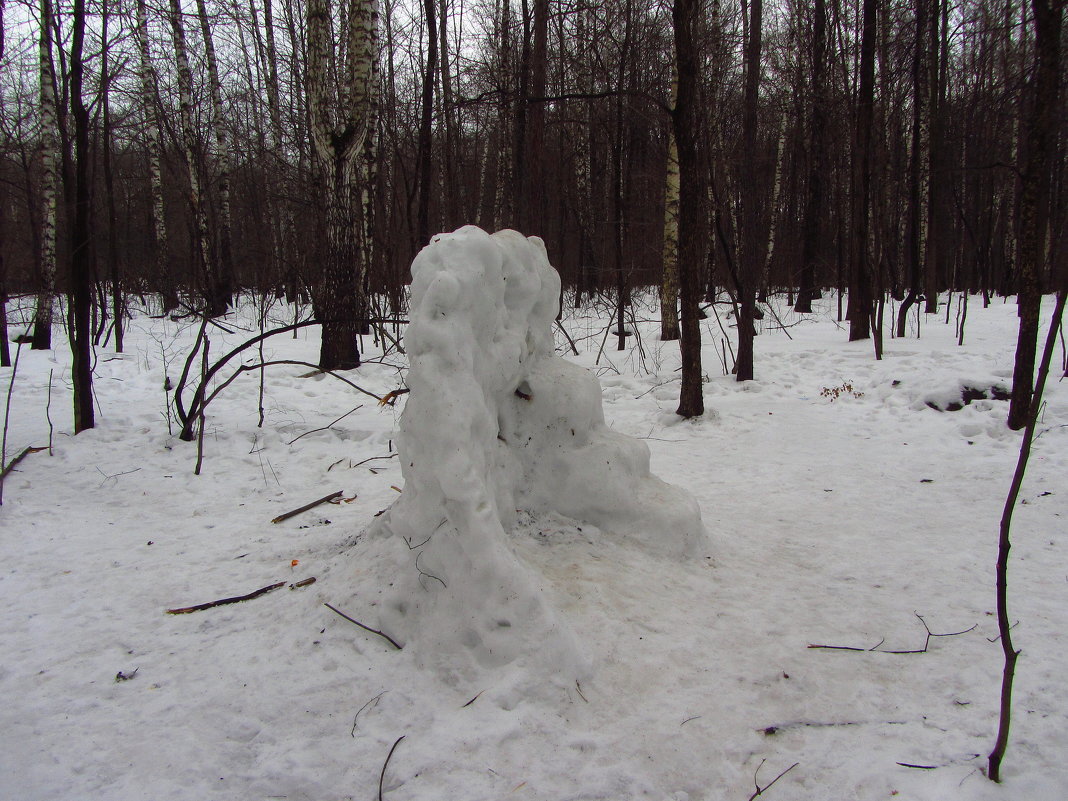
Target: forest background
[(894, 149)]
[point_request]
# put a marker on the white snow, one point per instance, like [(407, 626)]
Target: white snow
[(497, 422), (834, 521)]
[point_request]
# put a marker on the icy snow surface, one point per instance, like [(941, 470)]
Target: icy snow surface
[(497, 422), (834, 521)]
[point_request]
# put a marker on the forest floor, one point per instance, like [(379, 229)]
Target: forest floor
[(842, 510)]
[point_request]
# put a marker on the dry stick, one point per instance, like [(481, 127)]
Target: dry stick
[(356, 719), (25, 452), (775, 314), (875, 648), (374, 458), (760, 790), (382, 634), (308, 506), (726, 338), (1004, 544), (223, 601), (324, 428), (382, 775), (48, 413), (203, 420), (570, 341), (7, 415)]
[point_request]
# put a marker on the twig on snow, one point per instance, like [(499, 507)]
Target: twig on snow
[(381, 634), (308, 506), (473, 699), (373, 458), (223, 601), (760, 790), (373, 702), (22, 455), (875, 648), (328, 425), (382, 775)]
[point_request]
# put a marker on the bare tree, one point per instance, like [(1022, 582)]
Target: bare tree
[(686, 15), (42, 330), (1041, 135), (338, 130)]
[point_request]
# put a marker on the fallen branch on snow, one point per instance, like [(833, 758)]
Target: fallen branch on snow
[(381, 634), (308, 506), (223, 601), (25, 452), (760, 790), (382, 775), (875, 648)]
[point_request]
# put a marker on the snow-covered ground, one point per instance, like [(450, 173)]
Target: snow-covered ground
[(839, 505)]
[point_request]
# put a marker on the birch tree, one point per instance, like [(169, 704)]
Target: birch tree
[(224, 278), (216, 301), (339, 124), (669, 283), (155, 147), (42, 329)]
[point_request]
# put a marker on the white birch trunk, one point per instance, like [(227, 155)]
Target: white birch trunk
[(189, 149), (42, 336), (155, 156), (669, 285), (225, 275)]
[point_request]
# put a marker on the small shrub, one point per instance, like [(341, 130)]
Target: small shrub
[(834, 393)]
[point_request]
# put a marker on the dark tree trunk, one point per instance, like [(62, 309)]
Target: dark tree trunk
[(81, 254), (807, 290), (860, 268), (426, 129), (1034, 202), (919, 172), (749, 254), (692, 199)]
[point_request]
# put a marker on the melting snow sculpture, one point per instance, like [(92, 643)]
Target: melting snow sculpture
[(495, 422)]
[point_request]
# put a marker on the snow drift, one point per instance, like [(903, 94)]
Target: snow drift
[(496, 422)]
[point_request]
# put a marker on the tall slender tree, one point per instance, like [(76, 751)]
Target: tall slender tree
[(339, 124), (49, 149), (860, 263), (81, 254), (686, 123), (1041, 134)]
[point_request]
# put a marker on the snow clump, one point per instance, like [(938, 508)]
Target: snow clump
[(497, 422)]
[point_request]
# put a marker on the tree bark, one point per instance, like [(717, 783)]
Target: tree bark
[(223, 286), (42, 329), (337, 140), (669, 282), (749, 261), (692, 199), (1034, 202), (81, 248), (860, 267), (162, 273), (426, 130), (920, 162), (190, 153), (814, 202)]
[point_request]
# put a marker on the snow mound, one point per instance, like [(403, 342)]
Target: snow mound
[(496, 422)]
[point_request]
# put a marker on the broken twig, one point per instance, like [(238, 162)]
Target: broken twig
[(22, 455), (381, 634), (875, 648), (308, 506), (760, 790), (223, 601), (382, 775)]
